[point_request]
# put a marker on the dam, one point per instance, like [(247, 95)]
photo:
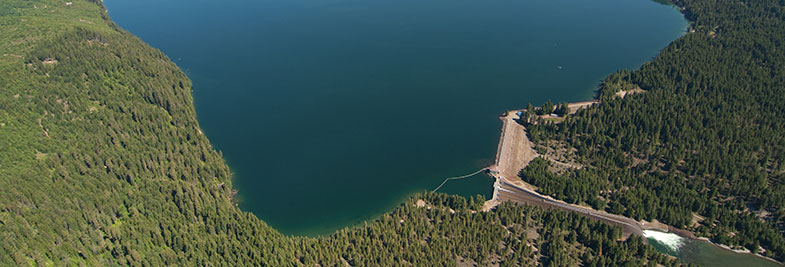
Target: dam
[(514, 153)]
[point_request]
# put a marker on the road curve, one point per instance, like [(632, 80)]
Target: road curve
[(509, 192), (514, 153)]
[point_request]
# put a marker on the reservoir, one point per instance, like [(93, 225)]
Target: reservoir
[(331, 112)]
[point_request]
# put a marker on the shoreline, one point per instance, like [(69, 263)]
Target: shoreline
[(692, 237), (737, 251), (530, 153), (515, 152)]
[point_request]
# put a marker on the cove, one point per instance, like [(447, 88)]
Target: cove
[(331, 112)]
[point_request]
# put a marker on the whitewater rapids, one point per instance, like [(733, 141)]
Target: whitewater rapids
[(670, 240)]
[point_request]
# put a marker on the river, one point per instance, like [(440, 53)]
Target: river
[(702, 252), (331, 112)]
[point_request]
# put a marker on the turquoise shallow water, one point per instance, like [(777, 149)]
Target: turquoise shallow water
[(331, 112)]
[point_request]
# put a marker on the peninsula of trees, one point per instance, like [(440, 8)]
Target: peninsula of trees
[(703, 149)]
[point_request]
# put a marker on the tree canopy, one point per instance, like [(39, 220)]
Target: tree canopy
[(702, 148), (102, 161)]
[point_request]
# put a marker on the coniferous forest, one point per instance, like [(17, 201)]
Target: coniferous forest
[(102, 161), (704, 147)]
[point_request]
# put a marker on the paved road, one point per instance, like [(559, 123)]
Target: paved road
[(510, 192), (515, 151)]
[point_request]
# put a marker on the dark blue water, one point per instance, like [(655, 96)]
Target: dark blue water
[(331, 112)]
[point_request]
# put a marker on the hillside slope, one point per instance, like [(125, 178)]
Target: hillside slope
[(103, 157), (102, 162), (703, 148)]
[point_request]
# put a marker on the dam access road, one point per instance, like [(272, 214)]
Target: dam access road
[(515, 151)]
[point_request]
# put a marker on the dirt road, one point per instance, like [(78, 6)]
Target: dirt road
[(515, 151)]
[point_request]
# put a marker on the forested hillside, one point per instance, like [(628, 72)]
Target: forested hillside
[(704, 148), (102, 158), (102, 162)]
